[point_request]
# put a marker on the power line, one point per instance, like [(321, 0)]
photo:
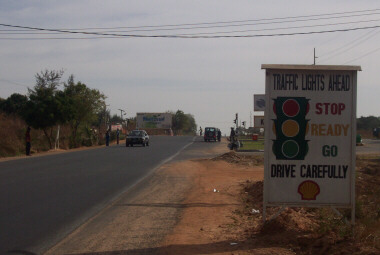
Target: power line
[(356, 39), (349, 48), (279, 20), (58, 38), (227, 22), (222, 32), (191, 37), (14, 83), (362, 56), (281, 28)]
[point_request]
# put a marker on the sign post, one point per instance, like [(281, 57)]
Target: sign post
[(258, 121), (259, 102), (310, 123)]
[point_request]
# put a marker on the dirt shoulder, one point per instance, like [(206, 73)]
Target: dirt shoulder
[(53, 152), (214, 206), (138, 221)]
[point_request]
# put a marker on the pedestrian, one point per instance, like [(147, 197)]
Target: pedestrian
[(219, 135), (232, 135), (200, 131), (232, 143), (27, 142), (117, 135), (108, 137)]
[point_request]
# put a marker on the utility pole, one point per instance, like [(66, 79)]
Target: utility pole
[(237, 121), (105, 116), (121, 114), (314, 56)]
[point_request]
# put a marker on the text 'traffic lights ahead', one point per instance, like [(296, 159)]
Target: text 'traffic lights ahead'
[(290, 128)]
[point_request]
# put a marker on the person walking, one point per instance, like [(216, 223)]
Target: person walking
[(117, 135), (200, 131), (27, 142), (219, 135), (232, 135), (108, 137)]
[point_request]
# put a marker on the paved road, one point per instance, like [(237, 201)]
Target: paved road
[(369, 146), (44, 198)]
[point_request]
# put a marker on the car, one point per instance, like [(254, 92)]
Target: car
[(211, 133), (137, 137)]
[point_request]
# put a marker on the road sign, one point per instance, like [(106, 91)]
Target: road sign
[(310, 123), (259, 102)]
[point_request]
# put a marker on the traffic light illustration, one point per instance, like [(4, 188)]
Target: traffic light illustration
[(290, 128)]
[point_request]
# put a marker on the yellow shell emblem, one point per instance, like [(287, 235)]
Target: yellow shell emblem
[(309, 190)]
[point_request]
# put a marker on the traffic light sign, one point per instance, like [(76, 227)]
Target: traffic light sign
[(290, 128)]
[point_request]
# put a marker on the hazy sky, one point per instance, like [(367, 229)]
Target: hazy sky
[(211, 78)]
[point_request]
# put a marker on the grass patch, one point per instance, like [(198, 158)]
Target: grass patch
[(252, 145)]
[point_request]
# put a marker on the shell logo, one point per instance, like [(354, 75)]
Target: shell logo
[(309, 190)]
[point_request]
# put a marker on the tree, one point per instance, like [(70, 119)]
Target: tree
[(191, 127), (43, 110), (368, 123), (81, 106), (183, 123), (179, 121), (14, 104), (116, 119)]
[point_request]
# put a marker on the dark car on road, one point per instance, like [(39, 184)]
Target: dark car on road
[(211, 134), (137, 137)]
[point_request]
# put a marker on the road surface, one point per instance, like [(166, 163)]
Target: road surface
[(370, 146), (42, 199)]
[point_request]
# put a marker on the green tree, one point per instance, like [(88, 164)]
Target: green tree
[(81, 106), (183, 123), (368, 123), (14, 104), (191, 125), (179, 121), (116, 119), (43, 110)]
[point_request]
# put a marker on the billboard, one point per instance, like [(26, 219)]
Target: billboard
[(115, 127), (259, 103), (310, 138), (153, 120), (258, 121)]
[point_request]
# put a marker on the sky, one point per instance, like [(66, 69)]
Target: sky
[(210, 78)]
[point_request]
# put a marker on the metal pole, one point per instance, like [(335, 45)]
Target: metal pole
[(105, 116), (121, 114), (314, 56)]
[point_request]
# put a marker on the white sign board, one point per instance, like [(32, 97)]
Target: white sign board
[(153, 120), (115, 127), (310, 123), (259, 103), (258, 121)]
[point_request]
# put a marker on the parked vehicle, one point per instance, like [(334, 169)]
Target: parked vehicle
[(211, 134), (137, 137)]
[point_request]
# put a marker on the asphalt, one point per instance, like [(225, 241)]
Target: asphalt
[(370, 146), (42, 199)]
